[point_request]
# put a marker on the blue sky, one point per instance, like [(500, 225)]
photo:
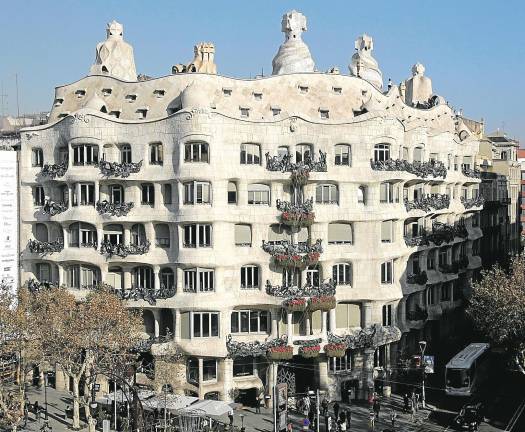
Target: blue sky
[(474, 51)]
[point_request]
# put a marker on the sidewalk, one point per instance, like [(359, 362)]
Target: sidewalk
[(58, 400)]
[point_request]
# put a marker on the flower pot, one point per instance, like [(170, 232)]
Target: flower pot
[(324, 303), (311, 258), (295, 305), (297, 219), (335, 350), (290, 261), (309, 351), (280, 353)]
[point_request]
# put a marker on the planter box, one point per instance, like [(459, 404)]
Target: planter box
[(322, 303), (310, 351), (335, 350), (295, 305), (280, 353)]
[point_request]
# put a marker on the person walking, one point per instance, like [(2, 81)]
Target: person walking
[(260, 402), (393, 416), (377, 408), (417, 401), (348, 419), (336, 411), (306, 405), (324, 407), (36, 409), (405, 402), (289, 428), (372, 420), (413, 412), (230, 416)]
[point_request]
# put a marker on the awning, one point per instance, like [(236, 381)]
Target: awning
[(210, 407)]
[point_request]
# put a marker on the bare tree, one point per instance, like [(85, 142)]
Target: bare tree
[(497, 308)]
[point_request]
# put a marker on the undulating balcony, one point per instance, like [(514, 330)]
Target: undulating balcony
[(149, 295), (291, 255), (300, 215), (114, 209), (118, 249), (419, 278), (441, 233), (471, 172), (417, 314), (119, 169), (52, 208), (420, 169), (428, 203), (326, 288), (54, 170), (283, 163), (45, 247), (478, 201)]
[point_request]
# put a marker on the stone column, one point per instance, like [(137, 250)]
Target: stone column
[(201, 375), (367, 381), (97, 191), (322, 373), (332, 320), (150, 232), (227, 379), (289, 327), (275, 324), (126, 235), (127, 279), (367, 314), (156, 277), (271, 382), (176, 324), (65, 236), (156, 317), (324, 318), (61, 275)]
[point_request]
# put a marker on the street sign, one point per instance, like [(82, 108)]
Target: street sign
[(428, 361)]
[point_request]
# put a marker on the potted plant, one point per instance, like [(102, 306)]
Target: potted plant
[(323, 303), (311, 258), (281, 352), (335, 349), (296, 304), (309, 351), (290, 260)]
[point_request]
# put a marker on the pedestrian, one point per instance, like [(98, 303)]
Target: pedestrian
[(413, 413), (289, 428), (417, 402), (405, 402), (336, 411), (306, 405), (36, 409), (230, 416), (342, 425), (348, 419), (377, 408), (328, 422), (311, 415), (393, 416), (324, 407), (372, 420), (306, 424), (259, 402)]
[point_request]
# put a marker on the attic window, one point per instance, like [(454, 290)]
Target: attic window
[(80, 93), (142, 113), (159, 93), (245, 112), (115, 114), (227, 91), (257, 96), (337, 90), (325, 114), (131, 98), (58, 102), (104, 109), (62, 115), (303, 89), (106, 91), (276, 111)]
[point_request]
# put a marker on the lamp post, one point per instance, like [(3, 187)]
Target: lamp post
[(242, 422), (45, 391), (422, 347)]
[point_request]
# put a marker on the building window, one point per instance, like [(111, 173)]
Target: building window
[(443, 257), (43, 272), (342, 274), (243, 366), (249, 276), (278, 233), (276, 111), (381, 152), (340, 233), (245, 112), (196, 152), (82, 235), (143, 277), (243, 235), (209, 370), (250, 154), (430, 295), (39, 196), (37, 157), (303, 153), (167, 193), (434, 157), (114, 234), (192, 371), (162, 235), (198, 280), (167, 278), (85, 154), (232, 193), (404, 153), (324, 114), (148, 194), (41, 232), (313, 276), (79, 276), (387, 231), (326, 194), (475, 220), (361, 194), (257, 96), (205, 324), (387, 276), (303, 89), (138, 235), (382, 356), (197, 235), (258, 194), (125, 153), (155, 154), (445, 292), (250, 321), (116, 194), (197, 192), (431, 260), (343, 154), (388, 193), (87, 194), (418, 154), (387, 315), (340, 364)]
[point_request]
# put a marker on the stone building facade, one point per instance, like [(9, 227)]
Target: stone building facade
[(302, 227)]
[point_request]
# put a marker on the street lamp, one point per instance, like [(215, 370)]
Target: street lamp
[(423, 347), (45, 391)]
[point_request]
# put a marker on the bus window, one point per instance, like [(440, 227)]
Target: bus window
[(458, 378)]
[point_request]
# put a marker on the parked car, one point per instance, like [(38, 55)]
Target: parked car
[(470, 416)]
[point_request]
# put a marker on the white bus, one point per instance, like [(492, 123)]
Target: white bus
[(467, 370)]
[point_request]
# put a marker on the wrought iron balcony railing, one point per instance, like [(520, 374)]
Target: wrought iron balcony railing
[(121, 250), (118, 209), (284, 163), (54, 170), (150, 295), (419, 169), (369, 337), (449, 268), (255, 349), (52, 208), (35, 286), (284, 247), (428, 202), (36, 246), (296, 214), (441, 233), (326, 288), (471, 172), (478, 201), (420, 278), (116, 169)]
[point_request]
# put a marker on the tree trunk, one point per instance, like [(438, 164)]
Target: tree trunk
[(76, 403)]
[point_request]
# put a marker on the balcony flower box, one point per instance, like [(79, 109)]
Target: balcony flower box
[(309, 351), (286, 260), (297, 304), (298, 218), (283, 352), (311, 258), (335, 349), (322, 303)]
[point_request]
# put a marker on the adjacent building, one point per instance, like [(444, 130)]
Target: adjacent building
[(305, 227)]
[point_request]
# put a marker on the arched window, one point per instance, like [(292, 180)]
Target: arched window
[(143, 277), (162, 235), (326, 193), (41, 233), (116, 194), (156, 154), (82, 276), (43, 272), (342, 273), (278, 233), (196, 152), (114, 234), (258, 193), (343, 154), (381, 152), (303, 153), (125, 153), (37, 157), (85, 154), (138, 234), (313, 276), (340, 233), (243, 235), (232, 192), (82, 234), (167, 194), (283, 151), (167, 278), (197, 192), (347, 315), (388, 193)]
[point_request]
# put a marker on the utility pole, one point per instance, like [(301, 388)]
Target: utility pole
[(317, 397), (17, 100)]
